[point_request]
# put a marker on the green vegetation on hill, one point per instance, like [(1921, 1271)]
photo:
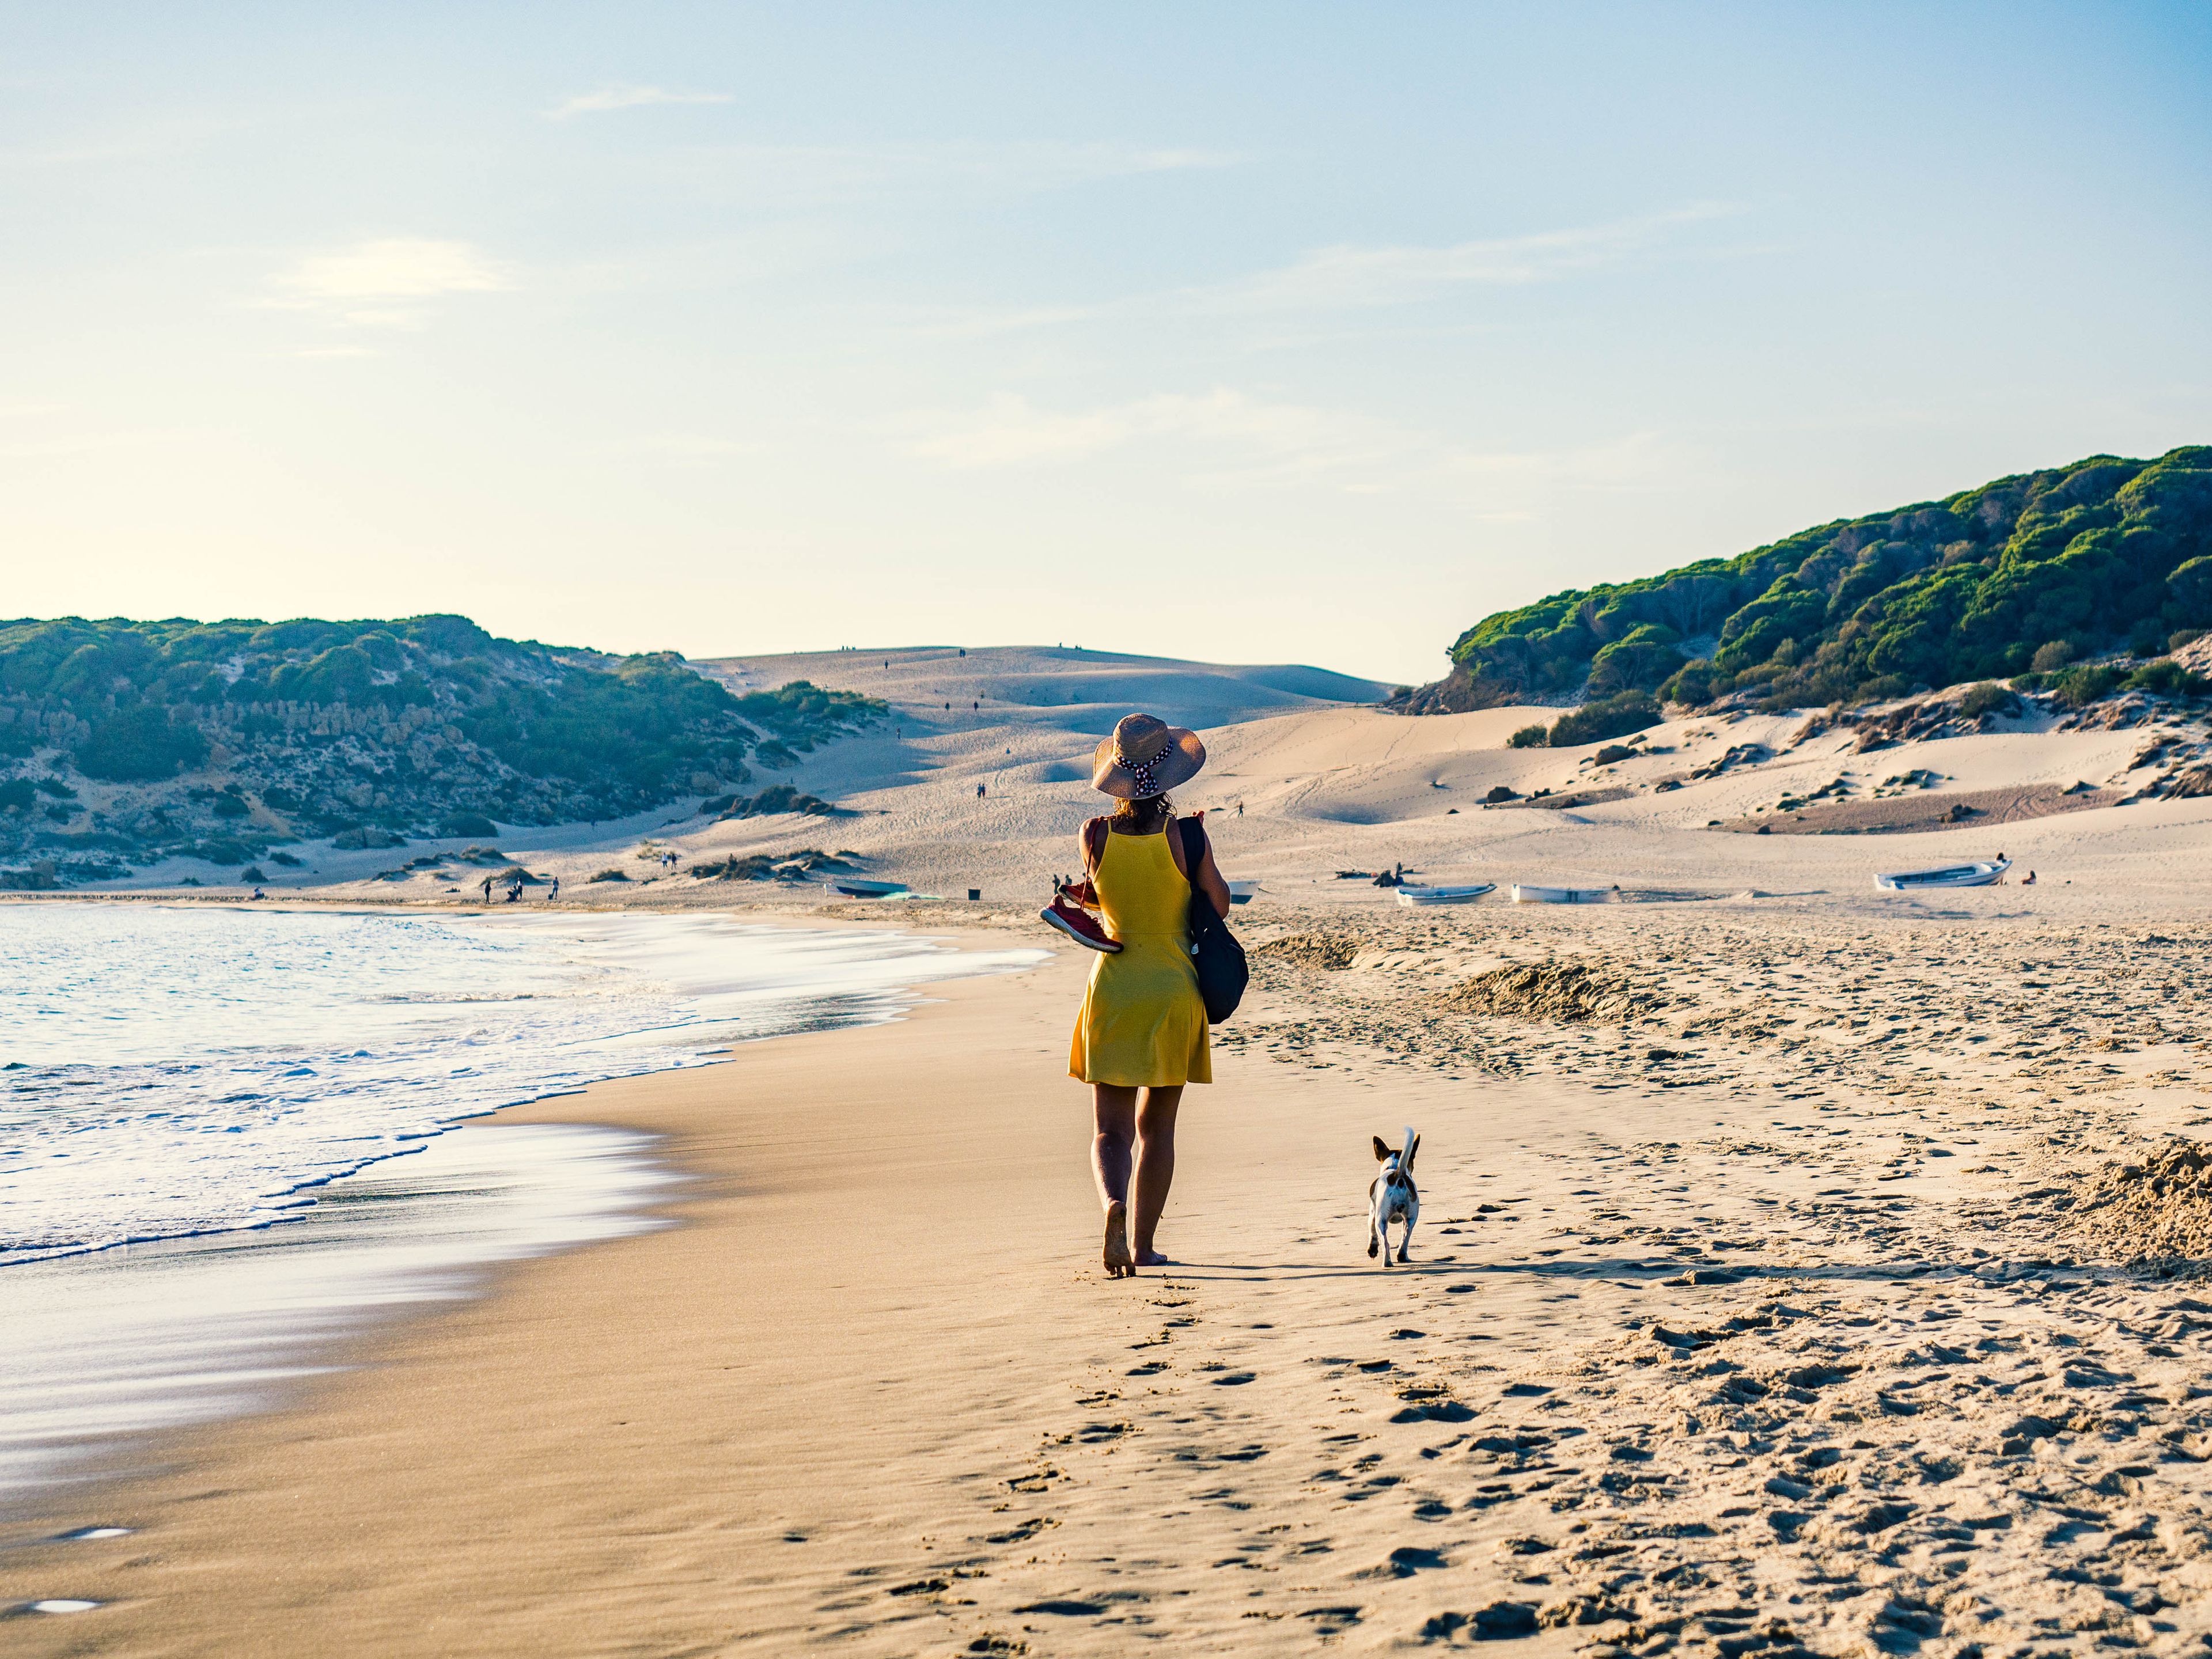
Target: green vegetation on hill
[(2027, 572), (407, 727)]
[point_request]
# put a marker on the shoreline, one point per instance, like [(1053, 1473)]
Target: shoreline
[(334, 1435), (133, 1340), (131, 1346)]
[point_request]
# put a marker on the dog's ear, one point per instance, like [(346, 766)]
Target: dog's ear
[(1382, 1152), (1412, 1147)]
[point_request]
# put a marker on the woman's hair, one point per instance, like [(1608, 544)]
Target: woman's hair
[(1146, 816)]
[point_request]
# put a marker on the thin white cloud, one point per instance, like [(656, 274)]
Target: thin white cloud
[(629, 97), (1349, 276), (385, 283), (1279, 436), (692, 447), (1227, 437), (814, 176)]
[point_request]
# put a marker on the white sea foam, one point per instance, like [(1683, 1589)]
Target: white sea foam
[(181, 1070), (103, 1349)]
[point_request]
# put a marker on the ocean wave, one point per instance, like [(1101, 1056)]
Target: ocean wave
[(170, 1072)]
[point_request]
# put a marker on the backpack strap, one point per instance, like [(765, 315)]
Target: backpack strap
[(1193, 831)]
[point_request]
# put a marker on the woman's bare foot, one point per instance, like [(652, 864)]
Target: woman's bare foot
[(1153, 1259), (1118, 1259)]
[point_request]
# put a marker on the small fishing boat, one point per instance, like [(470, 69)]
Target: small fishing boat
[(1525, 894), (1411, 896), (853, 888), (1980, 873), (1240, 892)]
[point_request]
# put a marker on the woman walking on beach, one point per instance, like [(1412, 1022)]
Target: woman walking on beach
[(1140, 1036)]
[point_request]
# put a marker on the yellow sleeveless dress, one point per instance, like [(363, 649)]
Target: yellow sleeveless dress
[(1142, 1023)]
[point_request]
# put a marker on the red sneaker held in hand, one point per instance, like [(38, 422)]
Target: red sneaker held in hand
[(1078, 924)]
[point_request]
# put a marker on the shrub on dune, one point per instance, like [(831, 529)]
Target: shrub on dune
[(1609, 717)]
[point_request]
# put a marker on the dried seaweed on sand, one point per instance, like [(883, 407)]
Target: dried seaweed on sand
[(2158, 1209), (1310, 950), (1562, 990)]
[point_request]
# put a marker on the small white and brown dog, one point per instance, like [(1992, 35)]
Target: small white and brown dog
[(1391, 1196)]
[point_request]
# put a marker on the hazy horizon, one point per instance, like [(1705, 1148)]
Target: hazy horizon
[(1281, 334)]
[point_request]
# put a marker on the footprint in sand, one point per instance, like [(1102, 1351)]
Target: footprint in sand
[(1021, 1534), (1405, 1561), (1499, 1621), (1332, 1621)]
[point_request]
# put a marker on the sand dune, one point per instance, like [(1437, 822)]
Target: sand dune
[(1327, 784)]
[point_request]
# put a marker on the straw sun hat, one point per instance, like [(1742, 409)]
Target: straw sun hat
[(1144, 758)]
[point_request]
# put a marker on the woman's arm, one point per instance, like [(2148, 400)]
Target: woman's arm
[(1208, 879), (1092, 838)]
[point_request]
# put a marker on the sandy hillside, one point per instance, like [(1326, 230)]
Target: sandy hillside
[(1327, 786)]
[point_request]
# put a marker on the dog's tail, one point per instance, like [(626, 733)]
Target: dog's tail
[(1405, 1158)]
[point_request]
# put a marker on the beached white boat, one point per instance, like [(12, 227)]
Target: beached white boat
[(853, 888), (1410, 896), (1980, 873), (1524, 894), (1240, 892)]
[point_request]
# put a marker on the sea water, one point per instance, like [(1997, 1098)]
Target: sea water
[(223, 1132)]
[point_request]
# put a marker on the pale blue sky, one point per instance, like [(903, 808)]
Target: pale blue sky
[(1247, 333)]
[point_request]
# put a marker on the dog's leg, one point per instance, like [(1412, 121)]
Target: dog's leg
[(1406, 1244), (1374, 1230)]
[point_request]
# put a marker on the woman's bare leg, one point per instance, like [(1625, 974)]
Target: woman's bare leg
[(1155, 1167), (1113, 1140), (1113, 1137)]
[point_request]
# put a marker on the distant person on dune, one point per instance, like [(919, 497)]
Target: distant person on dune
[(555, 893), (487, 886), (1140, 1036)]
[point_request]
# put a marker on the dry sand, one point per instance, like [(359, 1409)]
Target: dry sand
[(1800, 1269)]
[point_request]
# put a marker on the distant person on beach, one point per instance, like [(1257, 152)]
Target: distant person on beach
[(1140, 1035), (487, 885), (555, 893), (978, 791)]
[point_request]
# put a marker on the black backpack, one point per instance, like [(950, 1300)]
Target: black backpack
[(1219, 959)]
